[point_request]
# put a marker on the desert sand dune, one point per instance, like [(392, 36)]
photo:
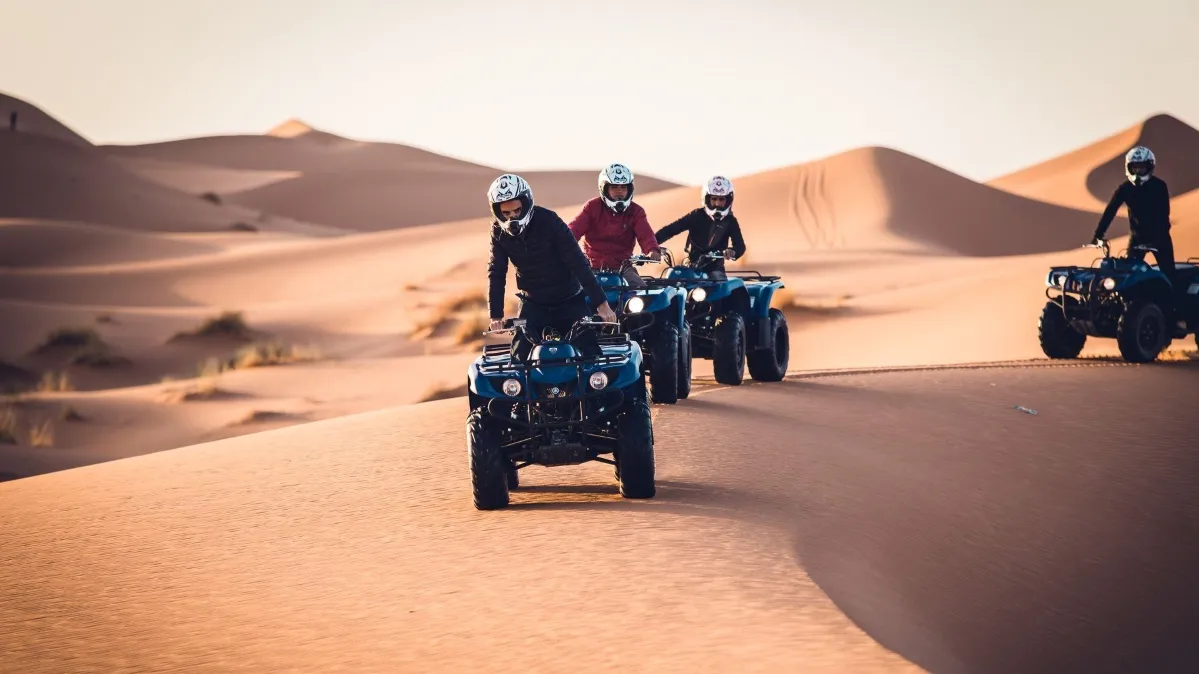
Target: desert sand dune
[(31, 119), (980, 539), (881, 199), (315, 176), (1085, 178), (33, 243), (47, 178), (200, 179)]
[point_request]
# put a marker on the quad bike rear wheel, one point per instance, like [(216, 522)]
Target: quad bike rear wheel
[(664, 365), (770, 362), (487, 466), (728, 349), (1141, 333), (1058, 339)]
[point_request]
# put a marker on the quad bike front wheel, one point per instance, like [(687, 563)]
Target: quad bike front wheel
[(770, 363), (1141, 333), (664, 365), (728, 349), (685, 361), (635, 453), (1058, 339), (488, 478)]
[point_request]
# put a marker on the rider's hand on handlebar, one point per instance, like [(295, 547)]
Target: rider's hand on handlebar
[(730, 254), (1096, 241), (656, 256), (496, 324), (606, 313)]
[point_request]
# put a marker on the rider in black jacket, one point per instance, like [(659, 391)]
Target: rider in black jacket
[(551, 269), (1148, 201), (709, 228)]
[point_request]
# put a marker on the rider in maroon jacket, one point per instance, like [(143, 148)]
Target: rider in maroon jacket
[(611, 223)]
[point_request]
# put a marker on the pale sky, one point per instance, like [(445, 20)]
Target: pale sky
[(680, 89)]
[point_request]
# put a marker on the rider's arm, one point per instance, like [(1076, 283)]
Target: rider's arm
[(497, 276), (672, 230), (572, 255), (738, 240), (1110, 212), (645, 234), (582, 221)]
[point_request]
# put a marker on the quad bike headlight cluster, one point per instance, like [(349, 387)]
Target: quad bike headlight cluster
[(1109, 283), (635, 305), (699, 294), (511, 387), (598, 380)]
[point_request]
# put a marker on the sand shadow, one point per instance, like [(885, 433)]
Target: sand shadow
[(1064, 579)]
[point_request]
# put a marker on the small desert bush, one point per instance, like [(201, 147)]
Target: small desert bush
[(265, 354), (230, 324), (445, 312), (8, 426), (98, 356), (69, 413), (71, 338), (42, 435), (212, 197), (443, 393), (243, 227), (55, 381), (471, 328)]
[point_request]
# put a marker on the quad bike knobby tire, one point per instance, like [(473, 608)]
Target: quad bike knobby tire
[(728, 349), (664, 368), (685, 361), (1141, 333), (489, 481), (1058, 339), (635, 453), (770, 363)]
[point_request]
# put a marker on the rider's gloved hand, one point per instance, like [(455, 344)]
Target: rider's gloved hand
[(496, 324), (656, 256), (730, 254), (606, 313), (1096, 241)]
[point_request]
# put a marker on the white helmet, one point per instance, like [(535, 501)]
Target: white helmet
[(616, 174), (506, 188), (718, 186), (1139, 157)]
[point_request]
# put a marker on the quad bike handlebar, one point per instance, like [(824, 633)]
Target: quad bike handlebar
[(513, 325)]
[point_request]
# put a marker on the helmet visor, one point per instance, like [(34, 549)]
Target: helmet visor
[(1140, 168)]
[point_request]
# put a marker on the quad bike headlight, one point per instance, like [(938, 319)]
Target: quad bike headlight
[(598, 380), (1109, 283), (511, 387), (699, 294), (635, 305)]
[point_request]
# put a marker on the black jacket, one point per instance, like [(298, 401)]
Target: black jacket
[(1148, 209), (704, 235), (550, 266)]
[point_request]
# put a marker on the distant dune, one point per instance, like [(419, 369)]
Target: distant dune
[(881, 199), (320, 177), (1085, 178), (31, 119)]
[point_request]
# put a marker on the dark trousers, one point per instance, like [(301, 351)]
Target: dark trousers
[(560, 317), (1165, 253)]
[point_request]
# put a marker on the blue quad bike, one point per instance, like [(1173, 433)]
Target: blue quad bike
[(558, 408), (1120, 298), (654, 316), (731, 320)]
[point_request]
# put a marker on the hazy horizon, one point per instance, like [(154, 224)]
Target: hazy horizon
[(673, 89)]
